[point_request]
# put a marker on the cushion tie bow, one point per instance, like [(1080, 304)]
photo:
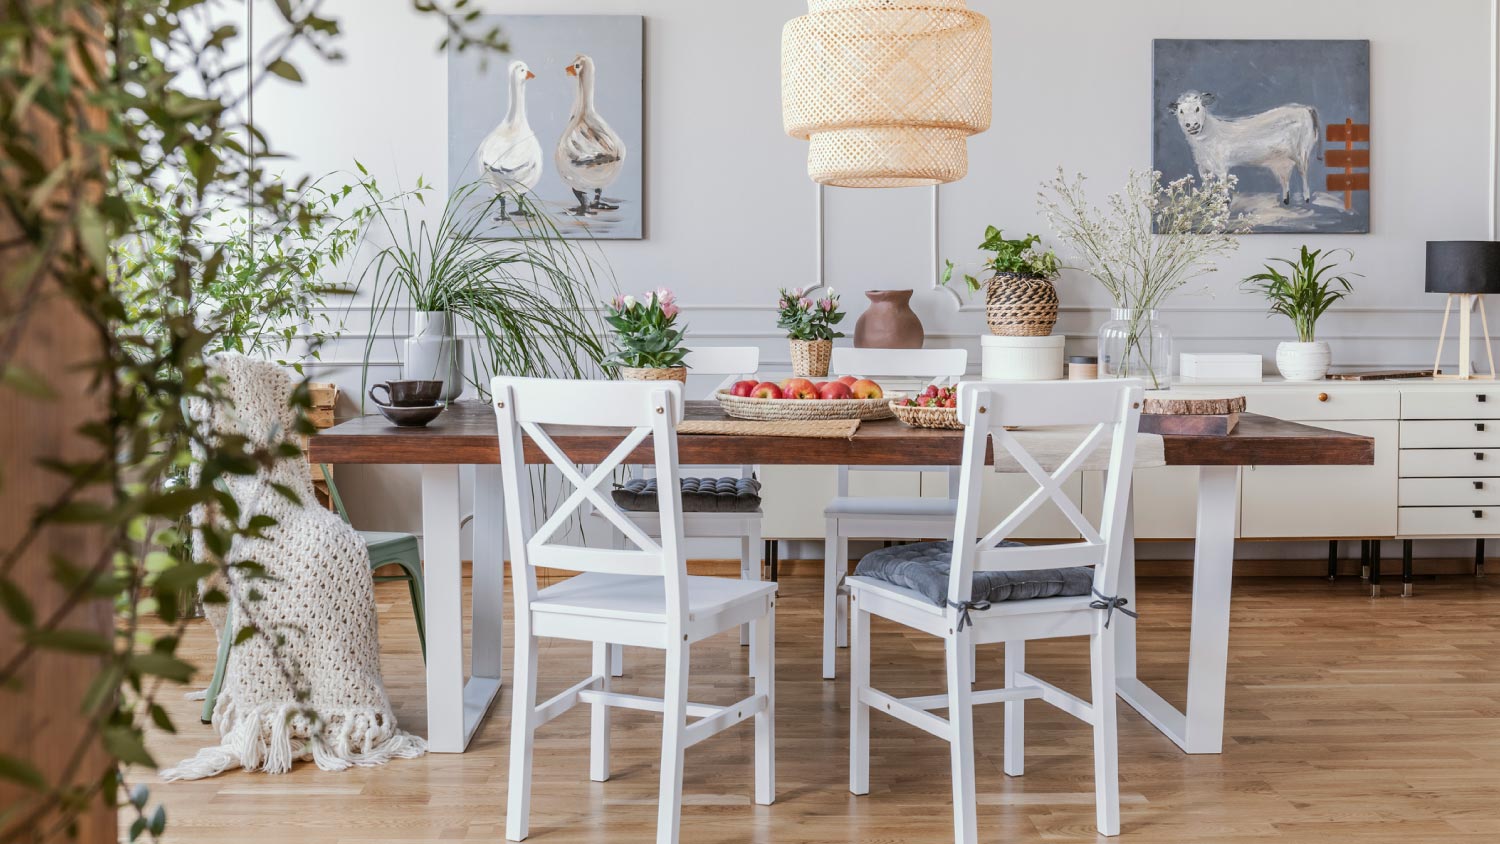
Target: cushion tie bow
[(963, 608), (1110, 604)]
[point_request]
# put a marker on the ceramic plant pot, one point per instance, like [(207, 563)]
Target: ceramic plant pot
[(1020, 305), (889, 322), (435, 353), (1303, 361)]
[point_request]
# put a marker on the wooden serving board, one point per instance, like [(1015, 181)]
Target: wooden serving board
[(1193, 406), (1189, 425), (1382, 374)]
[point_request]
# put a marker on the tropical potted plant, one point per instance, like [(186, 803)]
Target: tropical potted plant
[(648, 343), (1020, 299), (528, 300), (808, 324), (1153, 239), (1302, 294)]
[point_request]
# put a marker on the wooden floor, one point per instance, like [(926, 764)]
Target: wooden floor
[(1349, 720)]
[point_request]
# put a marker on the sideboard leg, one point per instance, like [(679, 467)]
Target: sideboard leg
[(1364, 559), (1374, 568), (1333, 559), (1406, 584), (1479, 558)]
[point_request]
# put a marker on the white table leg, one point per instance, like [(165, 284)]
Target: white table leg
[(454, 708), (486, 659), (1201, 728)]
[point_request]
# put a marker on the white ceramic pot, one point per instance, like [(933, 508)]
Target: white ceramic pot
[(435, 353), (1303, 361)]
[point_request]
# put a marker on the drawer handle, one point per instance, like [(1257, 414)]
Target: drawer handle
[(1479, 484), (1481, 398), (1478, 514), (1322, 397), (1479, 426), (1478, 455)]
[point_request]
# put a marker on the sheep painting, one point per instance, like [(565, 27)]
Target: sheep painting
[(1258, 110)]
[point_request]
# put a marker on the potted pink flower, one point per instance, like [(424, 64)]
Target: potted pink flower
[(808, 324), (648, 343)]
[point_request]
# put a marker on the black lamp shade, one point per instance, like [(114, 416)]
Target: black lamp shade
[(1463, 266)]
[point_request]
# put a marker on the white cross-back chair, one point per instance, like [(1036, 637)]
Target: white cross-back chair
[(731, 363), (1112, 409), (880, 517), (640, 595)]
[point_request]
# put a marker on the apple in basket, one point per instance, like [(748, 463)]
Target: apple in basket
[(743, 389), (798, 388), (864, 388), (848, 380), (835, 390), (766, 390)]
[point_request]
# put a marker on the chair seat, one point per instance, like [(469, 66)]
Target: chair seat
[(938, 509), (923, 569), (637, 598), (699, 495)]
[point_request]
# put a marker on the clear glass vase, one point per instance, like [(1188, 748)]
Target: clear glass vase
[(1136, 344)]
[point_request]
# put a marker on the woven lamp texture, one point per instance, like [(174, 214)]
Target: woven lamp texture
[(886, 91)]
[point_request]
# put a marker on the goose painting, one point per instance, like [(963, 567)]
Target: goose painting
[(566, 127), (510, 158), (589, 153)]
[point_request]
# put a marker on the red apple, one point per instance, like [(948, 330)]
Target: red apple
[(835, 390), (818, 385), (742, 388), (848, 380), (798, 388), (864, 388), (766, 390)]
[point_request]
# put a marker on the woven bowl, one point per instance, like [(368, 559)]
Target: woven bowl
[(928, 417), (741, 407)]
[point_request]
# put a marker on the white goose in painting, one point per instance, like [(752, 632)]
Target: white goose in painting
[(589, 153), (510, 158)]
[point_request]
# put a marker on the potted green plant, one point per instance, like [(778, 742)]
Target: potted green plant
[(648, 343), (808, 324), (1301, 294), (1020, 299)]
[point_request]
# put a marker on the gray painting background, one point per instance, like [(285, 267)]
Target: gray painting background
[(477, 99), (1250, 76)]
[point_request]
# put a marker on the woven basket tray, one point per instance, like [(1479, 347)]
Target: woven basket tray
[(928, 417), (741, 407)]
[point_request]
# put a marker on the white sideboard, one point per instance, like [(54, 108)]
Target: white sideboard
[(1436, 472)]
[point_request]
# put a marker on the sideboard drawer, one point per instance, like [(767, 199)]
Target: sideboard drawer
[(1448, 521), (1321, 402), (1450, 492), (1450, 433), (1449, 462), (1450, 404)]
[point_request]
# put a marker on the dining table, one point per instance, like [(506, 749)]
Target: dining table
[(466, 435)]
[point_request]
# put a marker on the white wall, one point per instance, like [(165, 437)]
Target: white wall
[(1072, 87)]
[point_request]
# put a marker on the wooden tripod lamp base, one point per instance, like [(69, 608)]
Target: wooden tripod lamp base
[(1467, 303)]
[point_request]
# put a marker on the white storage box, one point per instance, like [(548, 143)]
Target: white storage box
[(1223, 368), (1021, 358)]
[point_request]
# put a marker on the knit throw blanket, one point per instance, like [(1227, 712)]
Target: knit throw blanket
[(319, 596)]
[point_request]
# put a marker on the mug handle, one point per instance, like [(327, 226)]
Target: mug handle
[(387, 389)]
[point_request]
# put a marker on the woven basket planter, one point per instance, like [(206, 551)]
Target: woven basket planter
[(810, 358), (1020, 306), (928, 417), (741, 407), (656, 373)]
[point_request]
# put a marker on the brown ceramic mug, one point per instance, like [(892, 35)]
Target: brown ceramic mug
[(408, 393)]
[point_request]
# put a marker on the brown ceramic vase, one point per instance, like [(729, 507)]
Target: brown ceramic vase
[(889, 322)]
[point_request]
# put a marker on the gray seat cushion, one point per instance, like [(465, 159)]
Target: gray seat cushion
[(923, 568), (699, 495)]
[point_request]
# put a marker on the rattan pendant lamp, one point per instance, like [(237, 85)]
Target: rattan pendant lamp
[(886, 91)]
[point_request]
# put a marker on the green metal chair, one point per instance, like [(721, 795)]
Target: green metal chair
[(386, 549)]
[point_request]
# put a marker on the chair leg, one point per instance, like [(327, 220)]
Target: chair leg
[(1015, 710), (748, 571), (1406, 578), (1106, 746), (599, 719), (617, 660), (1374, 568), (411, 568), (1333, 559), (859, 712), (522, 734), (830, 598), (1479, 558), (221, 665), (673, 736), (961, 744), (841, 595), (764, 651)]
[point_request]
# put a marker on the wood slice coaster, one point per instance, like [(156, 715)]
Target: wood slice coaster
[(819, 428), (1195, 425), (1193, 406)]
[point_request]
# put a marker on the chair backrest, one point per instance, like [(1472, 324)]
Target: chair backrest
[(937, 366), (634, 410), (1107, 413), (729, 361)]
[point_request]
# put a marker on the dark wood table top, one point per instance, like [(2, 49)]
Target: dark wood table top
[(466, 433)]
